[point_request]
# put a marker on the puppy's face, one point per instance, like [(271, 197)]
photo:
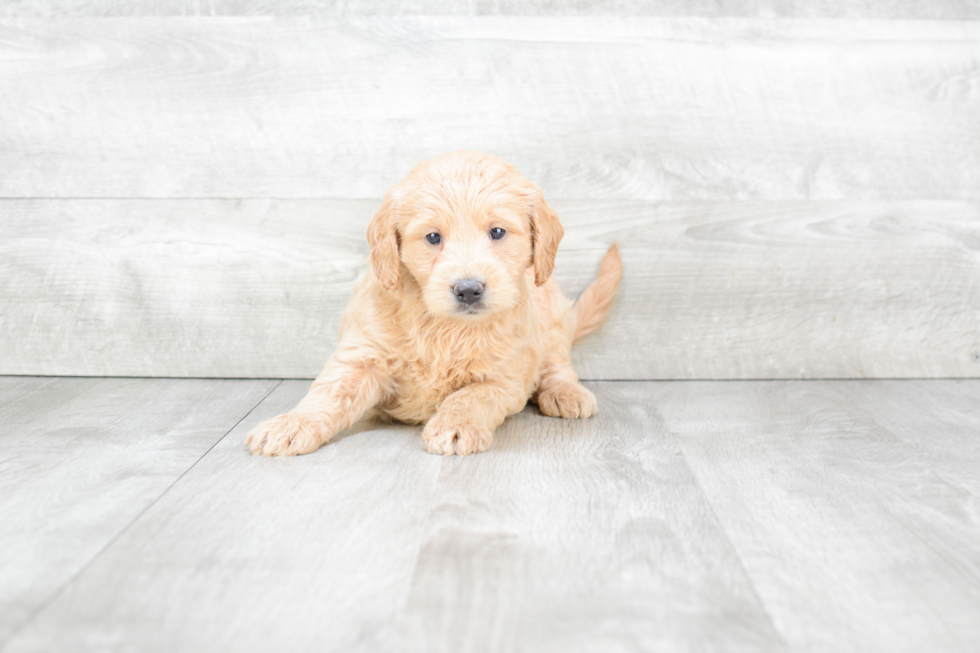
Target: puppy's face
[(466, 227), (468, 260)]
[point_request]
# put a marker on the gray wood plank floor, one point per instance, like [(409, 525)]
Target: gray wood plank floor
[(701, 516), (82, 458)]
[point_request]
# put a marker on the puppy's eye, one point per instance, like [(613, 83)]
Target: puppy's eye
[(434, 238), (497, 233)]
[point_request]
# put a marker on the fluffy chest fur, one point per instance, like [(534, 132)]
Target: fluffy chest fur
[(438, 358), (428, 358)]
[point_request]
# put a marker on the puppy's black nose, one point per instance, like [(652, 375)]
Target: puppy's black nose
[(468, 291)]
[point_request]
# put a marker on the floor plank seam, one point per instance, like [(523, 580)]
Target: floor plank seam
[(738, 556), (61, 588)]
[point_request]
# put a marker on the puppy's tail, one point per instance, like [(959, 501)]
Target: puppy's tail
[(593, 305)]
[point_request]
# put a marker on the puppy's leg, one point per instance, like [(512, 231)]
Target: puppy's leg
[(466, 419), (561, 395), (337, 399)]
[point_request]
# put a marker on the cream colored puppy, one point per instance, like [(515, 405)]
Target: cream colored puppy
[(458, 321)]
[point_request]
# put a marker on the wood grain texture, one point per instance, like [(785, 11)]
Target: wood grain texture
[(588, 107), (691, 516), (903, 9), (847, 531), (567, 536), (940, 422), (256, 288), (259, 554), (579, 535), (82, 458)]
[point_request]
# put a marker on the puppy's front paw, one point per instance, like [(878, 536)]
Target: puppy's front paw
[(287, 435), (447, 436), (568, 400)]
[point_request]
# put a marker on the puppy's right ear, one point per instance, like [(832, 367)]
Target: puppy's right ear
[(382, 236)]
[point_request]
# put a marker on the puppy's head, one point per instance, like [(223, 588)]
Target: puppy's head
[(466, 226)]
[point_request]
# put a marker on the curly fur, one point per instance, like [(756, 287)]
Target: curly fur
[(409, 350)]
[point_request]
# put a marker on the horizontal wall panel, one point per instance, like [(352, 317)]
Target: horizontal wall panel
[(596, 108), (255, 288), (935, 9)]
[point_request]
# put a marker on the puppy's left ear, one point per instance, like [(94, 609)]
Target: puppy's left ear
[(382, 236), (546, 233)]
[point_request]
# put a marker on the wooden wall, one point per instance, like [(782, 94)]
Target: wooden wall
[(796, 194)]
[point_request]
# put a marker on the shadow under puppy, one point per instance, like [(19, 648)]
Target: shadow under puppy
[(458, 321)]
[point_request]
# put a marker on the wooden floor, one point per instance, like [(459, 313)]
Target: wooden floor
[(738, 515), (795, 185)]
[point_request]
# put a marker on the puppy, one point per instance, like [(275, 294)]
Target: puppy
[(458, 321)]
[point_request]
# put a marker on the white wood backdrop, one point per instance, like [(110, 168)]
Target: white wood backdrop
[(934, 9), (598, 108), (795, 197)]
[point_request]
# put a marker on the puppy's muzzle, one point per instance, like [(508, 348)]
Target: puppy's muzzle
[(468, 291)]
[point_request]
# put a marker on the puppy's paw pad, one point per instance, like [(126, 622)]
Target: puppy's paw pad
[(568, 400), (444, 437), (287, 435)]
